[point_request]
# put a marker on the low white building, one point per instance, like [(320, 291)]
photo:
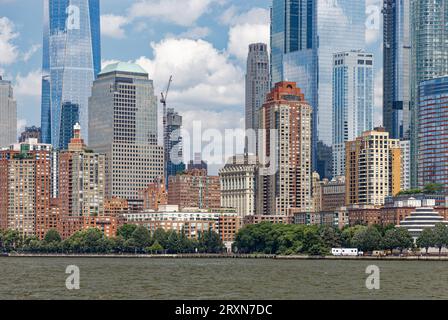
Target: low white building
[(422, 218)]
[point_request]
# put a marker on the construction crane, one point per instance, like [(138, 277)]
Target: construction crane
[(163, 101), (165, 96)]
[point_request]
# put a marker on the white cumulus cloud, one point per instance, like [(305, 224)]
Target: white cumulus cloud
[(112, 25), (8, 51), (180, 12), (29, 84)]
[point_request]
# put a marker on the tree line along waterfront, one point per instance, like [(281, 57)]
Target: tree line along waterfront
[(129, 239), (263, 238), (319, 240)]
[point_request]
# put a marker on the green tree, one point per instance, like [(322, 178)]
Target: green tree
[(210, 242), (426, 239), (155, 248), (404, 239), (141, 237), (52, 236), (331, 237), (173, 242), (389, 241), (12, 240), (433, 188), (367, 239), (126, 231), (161, 236), (440, 236), (348, 233)]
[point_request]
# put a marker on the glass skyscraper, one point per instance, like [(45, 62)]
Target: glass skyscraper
[(71, 61), (69, 118), (433, 132), (305, 34), (397, 67), (429, 36), (353, 94)]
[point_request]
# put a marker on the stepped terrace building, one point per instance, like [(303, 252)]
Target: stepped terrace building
[(422, 218)]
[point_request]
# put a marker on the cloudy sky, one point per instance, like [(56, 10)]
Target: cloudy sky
[(203, 43)]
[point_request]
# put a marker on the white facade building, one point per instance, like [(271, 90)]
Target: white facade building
[(405, 146), (238, 184)]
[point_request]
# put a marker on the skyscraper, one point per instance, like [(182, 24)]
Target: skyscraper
[(433, 132), (8, 114), (123, 126), (397, 67), (173, 145), (429, 33), (257, 87), (304, 36), (353, 95), (287, 115), (71, 61)]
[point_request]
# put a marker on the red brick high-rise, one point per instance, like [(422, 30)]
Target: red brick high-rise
[(25, 189), (285, 183)]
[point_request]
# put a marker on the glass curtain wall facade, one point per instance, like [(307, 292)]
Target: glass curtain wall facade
[(433, 132), (353, 96), (397, 68), (429, 36), (305, 34), (71, 61)]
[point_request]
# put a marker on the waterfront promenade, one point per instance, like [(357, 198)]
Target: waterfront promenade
[(234, 256)]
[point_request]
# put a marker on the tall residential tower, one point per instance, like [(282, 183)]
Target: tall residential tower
[(284, 183), (305, 34)]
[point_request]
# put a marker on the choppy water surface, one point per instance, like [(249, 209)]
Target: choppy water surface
[(219, 279)]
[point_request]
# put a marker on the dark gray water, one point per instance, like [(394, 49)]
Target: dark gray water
[(219, 279)]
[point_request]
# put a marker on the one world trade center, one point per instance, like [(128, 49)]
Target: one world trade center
[(71, 61)]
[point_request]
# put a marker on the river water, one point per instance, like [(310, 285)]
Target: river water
[(220, 279)]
